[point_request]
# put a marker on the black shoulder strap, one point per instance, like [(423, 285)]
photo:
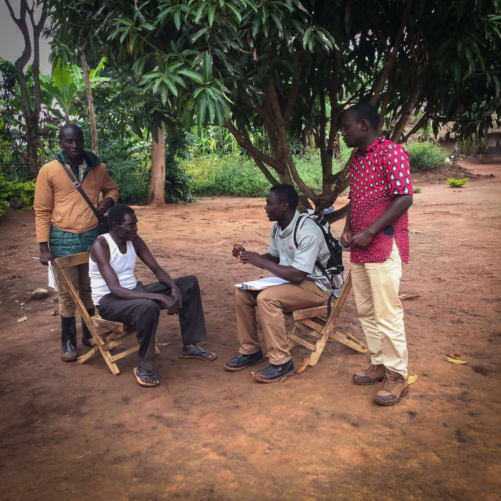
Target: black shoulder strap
[(296, 227), (78, 186)]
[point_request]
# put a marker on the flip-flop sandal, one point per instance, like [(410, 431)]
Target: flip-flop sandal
[(199, 353), (140, 375)]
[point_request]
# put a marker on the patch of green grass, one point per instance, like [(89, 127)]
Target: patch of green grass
[(416, 190), (457, 183)]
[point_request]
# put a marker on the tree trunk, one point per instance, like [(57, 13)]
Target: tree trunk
[(90, 103), (31, 103), (156, 195)]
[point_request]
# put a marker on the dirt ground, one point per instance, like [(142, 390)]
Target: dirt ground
[(71, 431)]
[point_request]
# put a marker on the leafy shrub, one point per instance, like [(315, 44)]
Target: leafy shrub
[(457, 183), (238, 175), (132, 179), (426, 156), (16, 194), (225, 175)]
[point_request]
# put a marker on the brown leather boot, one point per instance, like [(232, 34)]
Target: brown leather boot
[(394, 388), (373, 374)]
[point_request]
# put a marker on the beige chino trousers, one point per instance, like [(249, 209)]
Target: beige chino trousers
[(376, 286), (271, 304), (79, 277)]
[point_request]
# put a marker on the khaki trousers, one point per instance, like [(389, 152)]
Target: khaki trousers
[(272, 303), (79, 277), (375, 286)]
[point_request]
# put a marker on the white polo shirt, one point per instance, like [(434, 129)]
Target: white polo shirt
[(311, 248)]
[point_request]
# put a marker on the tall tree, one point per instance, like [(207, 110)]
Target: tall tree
[(290, 67), (31, 99)]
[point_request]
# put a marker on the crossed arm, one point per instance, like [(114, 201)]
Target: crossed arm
[(100, 253), (363, 238)]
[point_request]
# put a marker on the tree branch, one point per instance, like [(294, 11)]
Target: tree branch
[(407, 110), (391, 55), (416, 127), (291, 103), (244, 141)]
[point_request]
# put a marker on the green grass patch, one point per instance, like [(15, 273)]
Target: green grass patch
[(457, 183)]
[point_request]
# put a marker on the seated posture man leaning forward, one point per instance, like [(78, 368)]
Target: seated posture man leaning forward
[(376, 230), (118, 296), (308, 286)]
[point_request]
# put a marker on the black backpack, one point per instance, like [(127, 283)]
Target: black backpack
[(333, 270)]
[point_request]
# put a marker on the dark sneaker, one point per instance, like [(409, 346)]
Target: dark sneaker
[(242, 361), (373, 374), (394, 388), (274, 373)]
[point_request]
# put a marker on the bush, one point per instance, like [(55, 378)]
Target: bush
[(238, 175), (426, 156), (132, 179), (15, 194)]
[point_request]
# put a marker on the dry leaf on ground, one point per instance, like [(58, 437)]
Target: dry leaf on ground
[(22, 319), (304, 365), (412, 379), (455, 360)]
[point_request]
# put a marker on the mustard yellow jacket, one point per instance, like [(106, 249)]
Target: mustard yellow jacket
[(58, 203)]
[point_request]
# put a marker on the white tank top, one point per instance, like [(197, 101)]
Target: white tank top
[(123, 264)]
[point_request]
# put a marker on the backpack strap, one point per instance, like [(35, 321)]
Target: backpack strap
[(300, 219)]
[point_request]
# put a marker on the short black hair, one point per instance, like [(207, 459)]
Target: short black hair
[(286, 193), (365, 110), (117, 213), (68, 127)]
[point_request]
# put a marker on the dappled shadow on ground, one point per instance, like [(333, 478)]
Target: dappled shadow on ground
[(75, 431)]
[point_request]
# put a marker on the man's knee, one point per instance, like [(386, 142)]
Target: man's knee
[(267, 299), (148, 310), (243, 298)]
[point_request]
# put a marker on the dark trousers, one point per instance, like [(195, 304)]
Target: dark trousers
[(143, 315)]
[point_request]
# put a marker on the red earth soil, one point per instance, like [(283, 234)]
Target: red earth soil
[(71, 431)]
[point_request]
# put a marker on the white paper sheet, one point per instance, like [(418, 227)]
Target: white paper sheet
[(261, 283)]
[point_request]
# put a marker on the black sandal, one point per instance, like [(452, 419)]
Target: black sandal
[(195, 351), (146, 378)]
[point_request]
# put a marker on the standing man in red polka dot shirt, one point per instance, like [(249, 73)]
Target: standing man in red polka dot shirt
[(376, 231)]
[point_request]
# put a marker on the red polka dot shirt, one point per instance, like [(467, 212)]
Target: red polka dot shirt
[(375, 179)]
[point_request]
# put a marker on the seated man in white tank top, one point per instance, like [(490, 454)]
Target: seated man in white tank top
[(118, 296)]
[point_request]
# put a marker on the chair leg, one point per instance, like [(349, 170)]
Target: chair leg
[(83, 358)]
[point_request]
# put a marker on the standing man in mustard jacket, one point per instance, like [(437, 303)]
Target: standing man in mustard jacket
[(65, 224)]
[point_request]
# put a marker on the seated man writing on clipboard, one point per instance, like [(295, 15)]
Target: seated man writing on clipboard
[(307, 286)]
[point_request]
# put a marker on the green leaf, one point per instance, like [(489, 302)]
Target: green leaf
[(207, 67), (307, 36), (198, 34), (193, 75), (177, 19), (212, 13), (235, 12), (171, 86)]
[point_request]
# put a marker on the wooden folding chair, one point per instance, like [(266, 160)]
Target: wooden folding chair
[(106, 334), (312, 328)]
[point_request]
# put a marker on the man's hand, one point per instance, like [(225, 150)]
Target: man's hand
[(168, 302), (237, 250), (347, 238), (105, 205), (178, 297), (362, 238), (45, 254), (253, 258)]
